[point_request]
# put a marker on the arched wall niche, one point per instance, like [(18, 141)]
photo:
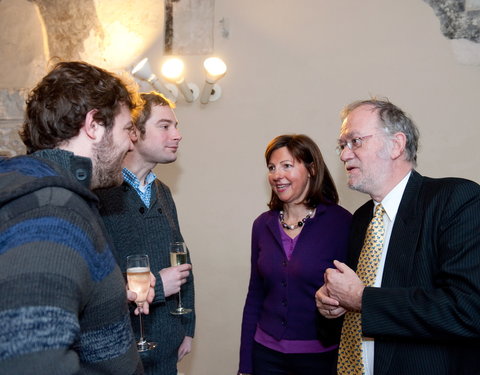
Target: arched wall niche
[(36, 33)]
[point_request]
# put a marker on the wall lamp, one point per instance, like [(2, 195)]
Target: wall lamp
[(144, 72), (215, 69), (173, 72)]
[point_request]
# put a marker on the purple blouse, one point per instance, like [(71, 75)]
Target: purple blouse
[(287, 242)]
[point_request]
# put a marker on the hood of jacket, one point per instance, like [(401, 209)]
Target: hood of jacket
[(22, 175)]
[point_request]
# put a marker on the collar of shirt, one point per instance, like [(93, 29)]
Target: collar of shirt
[(144, 192), (391, 202)]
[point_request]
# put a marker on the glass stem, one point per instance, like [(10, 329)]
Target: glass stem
[(142, 339), (179, 300)]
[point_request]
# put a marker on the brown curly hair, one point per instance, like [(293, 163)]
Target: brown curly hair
[(57, 106)]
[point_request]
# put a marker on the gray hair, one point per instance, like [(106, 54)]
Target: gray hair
[(394, 121)]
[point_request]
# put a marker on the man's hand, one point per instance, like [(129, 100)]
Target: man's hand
[(132, 296), (343, 285), (185, 347), (174, 277)]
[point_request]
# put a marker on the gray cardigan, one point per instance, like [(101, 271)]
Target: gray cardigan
[(136, 229)]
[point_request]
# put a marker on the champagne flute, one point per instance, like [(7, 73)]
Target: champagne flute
[(178, 256), (138, 277)]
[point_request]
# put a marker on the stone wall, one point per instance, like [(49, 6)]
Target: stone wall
[(11, 116), (36, 33), (460, 22), (459, 19)]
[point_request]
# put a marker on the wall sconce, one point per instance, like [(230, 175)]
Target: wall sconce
[(144, 72), (173, 71), (215, 69)]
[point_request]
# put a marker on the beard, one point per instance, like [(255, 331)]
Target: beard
[(107, 163), (357, 186), (362, 186), (372, 179)]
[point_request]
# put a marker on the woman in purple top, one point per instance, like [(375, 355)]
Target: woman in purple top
[(292, 245)]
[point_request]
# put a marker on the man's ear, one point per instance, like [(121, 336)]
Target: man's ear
[(399, 144), (134, 135), (92, 127)]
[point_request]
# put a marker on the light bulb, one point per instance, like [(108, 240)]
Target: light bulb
[(172, 69), (215, 68)]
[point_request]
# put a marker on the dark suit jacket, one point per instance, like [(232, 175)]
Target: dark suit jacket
[(425, 317)]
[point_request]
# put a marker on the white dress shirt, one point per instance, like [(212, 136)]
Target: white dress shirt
[(390, 203)]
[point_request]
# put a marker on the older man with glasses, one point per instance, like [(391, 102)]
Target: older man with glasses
[(410, 291)]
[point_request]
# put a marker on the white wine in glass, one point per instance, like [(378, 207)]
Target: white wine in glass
[(138, 277), (178, 256)]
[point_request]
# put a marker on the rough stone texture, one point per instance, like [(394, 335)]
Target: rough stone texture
[(107, 33), (68, 24), (192, 28), (129, 29), (472, 5), (22, 46), (456, 20), (110, 34), (36, 33), (10, 142), (460, 22), (12, 103)]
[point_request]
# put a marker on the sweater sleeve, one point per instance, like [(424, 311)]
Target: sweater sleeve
[(251, 311), (159, 291), (63, 299), (188, 301)]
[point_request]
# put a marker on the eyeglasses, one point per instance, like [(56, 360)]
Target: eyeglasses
[(353, 144)]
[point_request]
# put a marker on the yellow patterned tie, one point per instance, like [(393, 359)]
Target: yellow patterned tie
[(350, 359)]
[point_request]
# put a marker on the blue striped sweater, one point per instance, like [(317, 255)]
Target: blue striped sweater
[(64, 307)]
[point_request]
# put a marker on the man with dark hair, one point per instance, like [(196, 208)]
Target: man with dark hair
[(413, 304), (142, 218), (63, 296)]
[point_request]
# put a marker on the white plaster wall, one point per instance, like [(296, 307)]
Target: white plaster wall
[(292, 67)]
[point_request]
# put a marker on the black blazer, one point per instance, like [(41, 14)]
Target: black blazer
[(425, 318)]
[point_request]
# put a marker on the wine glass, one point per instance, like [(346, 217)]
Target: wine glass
[(138, 277), (178, 256)]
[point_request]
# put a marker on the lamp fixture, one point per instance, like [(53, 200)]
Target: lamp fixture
[(215, 69), (144, 72), (173, 72)]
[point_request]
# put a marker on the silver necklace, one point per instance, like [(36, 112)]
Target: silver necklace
[(295, 226)]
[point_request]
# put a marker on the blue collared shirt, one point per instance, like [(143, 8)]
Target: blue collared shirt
[(144, 192)]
